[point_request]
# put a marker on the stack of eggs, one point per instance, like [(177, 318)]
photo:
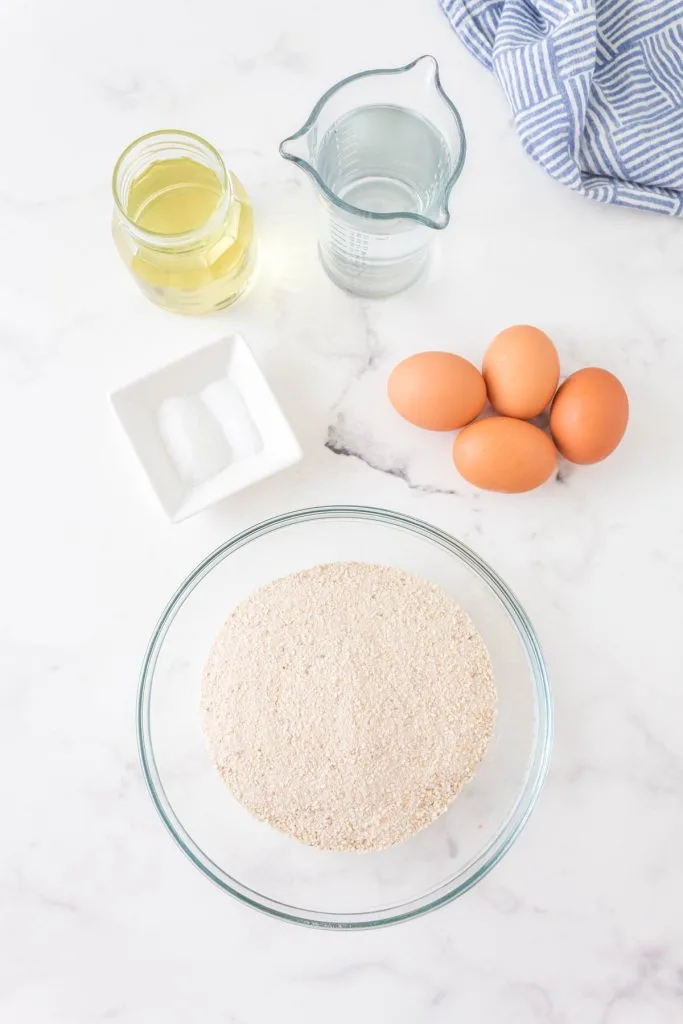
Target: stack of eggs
[(520, 374)]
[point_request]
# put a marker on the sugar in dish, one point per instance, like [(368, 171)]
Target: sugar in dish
[(193, 438), (205, 427), (224, 399), (204, 433)]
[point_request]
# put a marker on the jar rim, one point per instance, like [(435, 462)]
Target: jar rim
[(157, 237)]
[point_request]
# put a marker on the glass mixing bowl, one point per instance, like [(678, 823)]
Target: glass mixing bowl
[(268, 870)]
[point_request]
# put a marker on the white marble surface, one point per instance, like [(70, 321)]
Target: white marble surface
[(102, 919)]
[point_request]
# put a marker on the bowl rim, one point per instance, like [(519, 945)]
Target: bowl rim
[(521, 810)]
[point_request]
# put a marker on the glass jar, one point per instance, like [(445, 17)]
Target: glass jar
[(183, 223)]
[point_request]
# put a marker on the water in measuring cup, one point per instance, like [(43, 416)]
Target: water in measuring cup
[(380, 159)]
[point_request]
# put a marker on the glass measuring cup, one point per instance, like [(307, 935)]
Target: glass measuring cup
[(384, 149)]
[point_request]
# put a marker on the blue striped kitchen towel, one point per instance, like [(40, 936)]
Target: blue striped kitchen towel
[(596, 89)]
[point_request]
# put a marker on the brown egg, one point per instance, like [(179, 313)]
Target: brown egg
[(521, 369), (589, 415), (437, 390), (504, 454)]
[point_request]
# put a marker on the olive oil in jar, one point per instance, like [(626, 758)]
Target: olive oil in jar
[(183, 223)]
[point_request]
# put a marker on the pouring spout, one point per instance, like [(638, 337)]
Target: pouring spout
[(384, 145), (441, 217), (296, 147)]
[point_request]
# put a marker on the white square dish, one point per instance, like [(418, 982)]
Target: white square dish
[(205, 426)]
